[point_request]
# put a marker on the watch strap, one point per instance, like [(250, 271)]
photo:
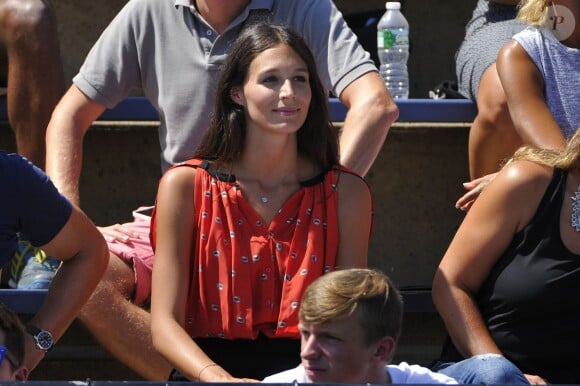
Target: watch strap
[(36, 333)]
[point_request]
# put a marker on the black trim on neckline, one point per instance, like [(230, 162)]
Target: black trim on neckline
[(232, 178)]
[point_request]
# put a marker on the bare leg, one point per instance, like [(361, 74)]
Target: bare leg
[(120, 326), (35, 75), (492, 137)]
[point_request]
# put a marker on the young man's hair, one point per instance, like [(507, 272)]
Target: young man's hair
[(368, 293), (14, 331)]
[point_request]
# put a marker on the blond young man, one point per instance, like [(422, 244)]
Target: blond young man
[(350, 322)]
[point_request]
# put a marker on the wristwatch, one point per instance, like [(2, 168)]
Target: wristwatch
[(42, 338)]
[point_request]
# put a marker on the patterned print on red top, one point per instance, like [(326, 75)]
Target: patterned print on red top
[(249, 276)]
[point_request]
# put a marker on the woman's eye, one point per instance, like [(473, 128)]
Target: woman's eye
[(301, 78), (270, 79)]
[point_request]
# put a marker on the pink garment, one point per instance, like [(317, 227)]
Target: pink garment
[(137, 252)]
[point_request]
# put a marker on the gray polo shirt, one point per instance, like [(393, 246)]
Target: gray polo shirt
[(167, 49)]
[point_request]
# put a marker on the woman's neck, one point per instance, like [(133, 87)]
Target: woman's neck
[(268, 169)]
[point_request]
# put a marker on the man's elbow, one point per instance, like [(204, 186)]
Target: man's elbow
[(95, 257), (390, 111), (384, 108), (369, 97)]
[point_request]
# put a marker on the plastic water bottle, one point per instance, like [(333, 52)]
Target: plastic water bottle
[(393, 50)]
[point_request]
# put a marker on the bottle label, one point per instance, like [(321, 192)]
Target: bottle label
[(389, 38)]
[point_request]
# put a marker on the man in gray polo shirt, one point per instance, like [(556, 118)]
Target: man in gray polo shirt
[(173, 50)]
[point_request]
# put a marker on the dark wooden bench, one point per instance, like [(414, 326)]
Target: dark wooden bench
[(29, 301)]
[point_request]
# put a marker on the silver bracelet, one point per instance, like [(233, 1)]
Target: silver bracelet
[(203, 369)]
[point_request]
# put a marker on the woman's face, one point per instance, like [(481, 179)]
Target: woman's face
[(276, 93)]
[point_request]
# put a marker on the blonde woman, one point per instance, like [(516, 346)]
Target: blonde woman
[(508, 285)]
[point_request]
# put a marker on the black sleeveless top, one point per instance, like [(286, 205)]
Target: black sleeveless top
[(530, 301)]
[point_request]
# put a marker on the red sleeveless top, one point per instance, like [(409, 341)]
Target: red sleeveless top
[(248, 277)]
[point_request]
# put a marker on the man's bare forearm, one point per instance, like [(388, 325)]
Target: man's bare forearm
[(64, 140), (371, 114), (64, 162)]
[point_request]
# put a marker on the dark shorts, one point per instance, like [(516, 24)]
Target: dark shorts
[(245, 358)]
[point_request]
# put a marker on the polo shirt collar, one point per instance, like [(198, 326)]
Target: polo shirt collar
[(254, 4)]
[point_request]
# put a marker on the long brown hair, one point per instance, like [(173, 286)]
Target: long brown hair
[(224, 141)]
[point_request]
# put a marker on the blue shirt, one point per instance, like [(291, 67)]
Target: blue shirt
[(30, 204)]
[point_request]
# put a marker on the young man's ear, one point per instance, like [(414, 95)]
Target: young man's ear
[(385, 349), (236, 95), (21, 374)]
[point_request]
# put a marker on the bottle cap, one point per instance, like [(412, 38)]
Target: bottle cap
[(393, 5)]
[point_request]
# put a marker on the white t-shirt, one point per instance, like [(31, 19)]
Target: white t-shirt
[(557, 64), (399, 374)]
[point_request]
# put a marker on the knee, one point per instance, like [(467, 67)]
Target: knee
[(492, 107), (22, 19), (493, 113), (491, 369), (117, 284), (491, 100)]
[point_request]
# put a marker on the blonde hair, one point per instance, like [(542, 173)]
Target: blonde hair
[(567, 159), (367, 292), (533, 12)]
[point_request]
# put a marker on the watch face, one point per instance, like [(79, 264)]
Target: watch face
[(44, 340)]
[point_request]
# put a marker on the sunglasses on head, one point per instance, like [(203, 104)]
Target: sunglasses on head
[(5, 353)]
